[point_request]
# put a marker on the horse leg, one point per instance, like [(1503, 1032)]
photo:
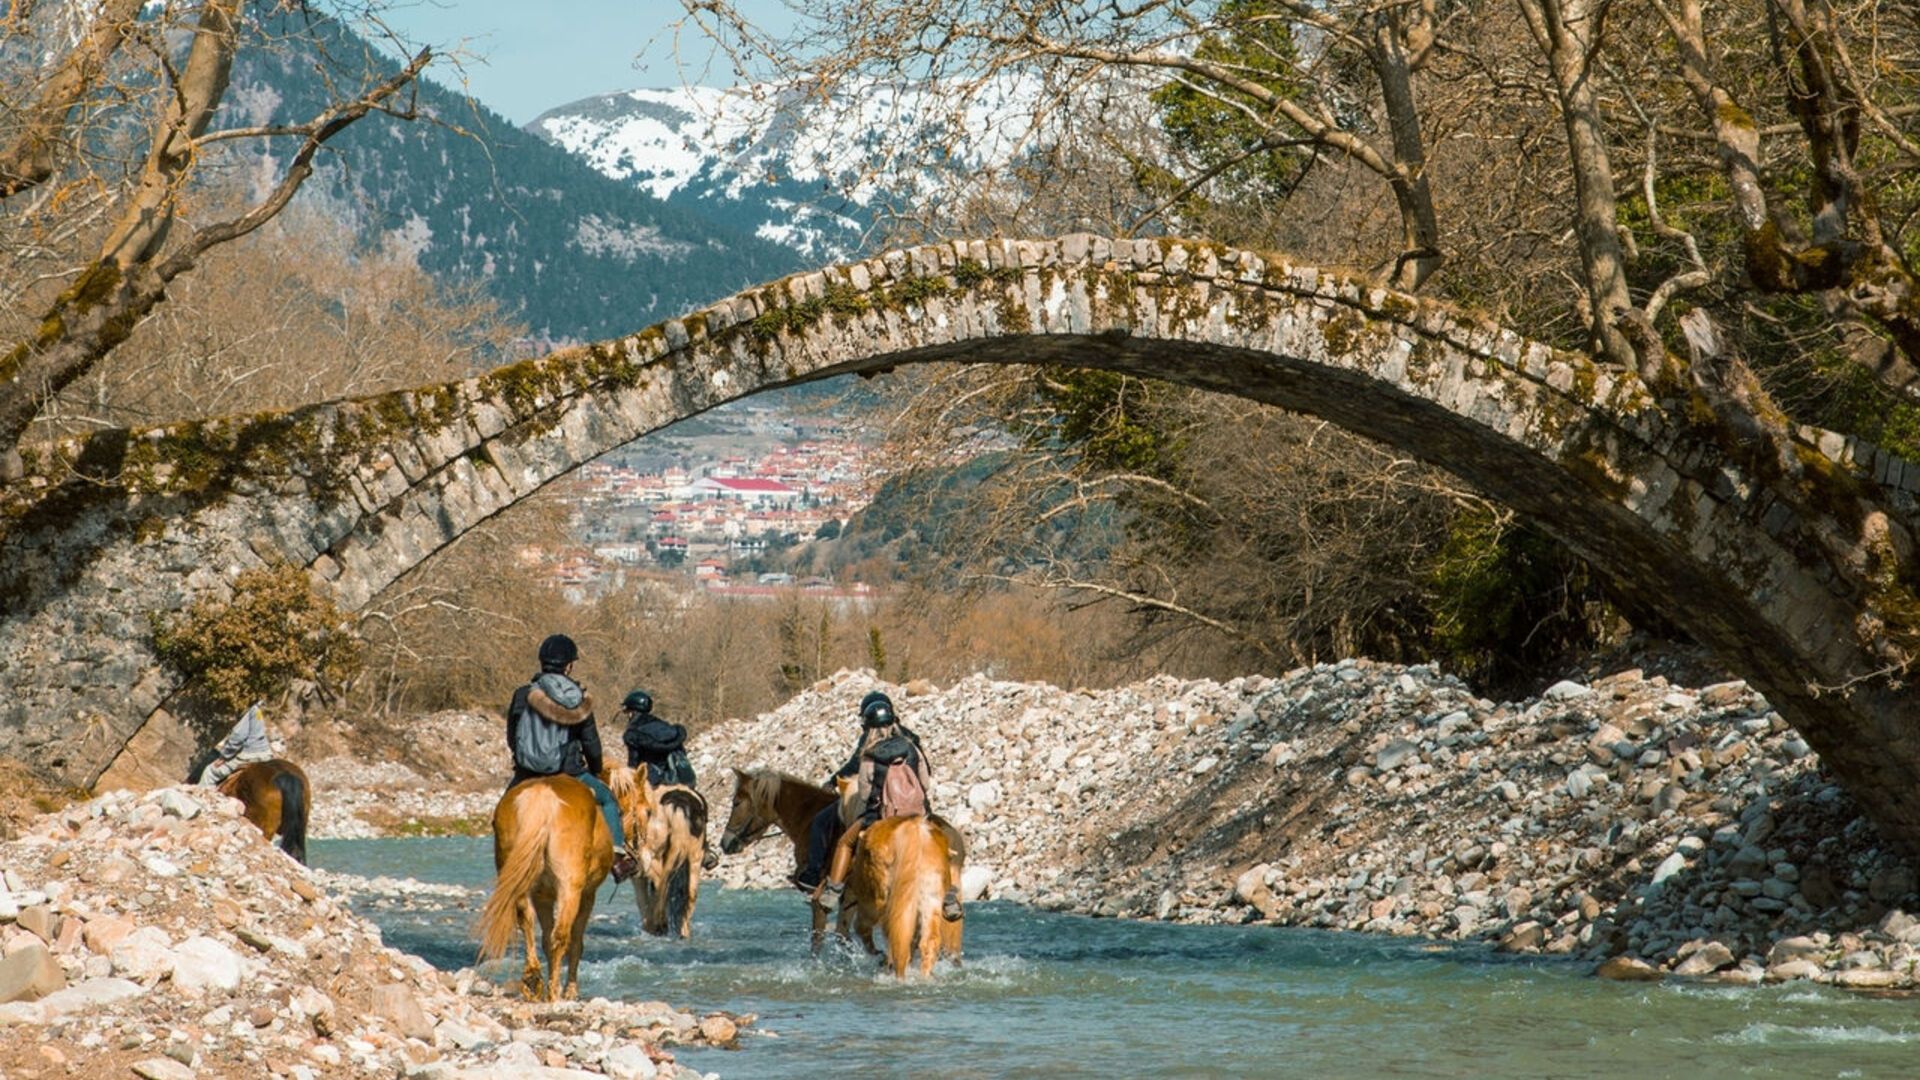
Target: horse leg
[(693, 895), (577, 943), (560, 935), (819, 927), (537, 984)]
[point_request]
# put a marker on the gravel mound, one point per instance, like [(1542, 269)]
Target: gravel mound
[(161, 934), (1657, 828)]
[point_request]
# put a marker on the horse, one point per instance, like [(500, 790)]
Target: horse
[(551, 851), (274, 793), (764, 799), (667, 832), (899, 874)]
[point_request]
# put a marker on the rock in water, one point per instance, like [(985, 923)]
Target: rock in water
[(1710, 958), (1628, 969)]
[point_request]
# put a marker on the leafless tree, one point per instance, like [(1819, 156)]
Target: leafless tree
[(106, 127)]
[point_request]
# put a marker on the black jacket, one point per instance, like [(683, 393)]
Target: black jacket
[(661, 747), (582, 754), (852, 767)]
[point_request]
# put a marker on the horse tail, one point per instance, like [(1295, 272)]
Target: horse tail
[(293, 814), (534, 822), (915, 881), (686, 844)]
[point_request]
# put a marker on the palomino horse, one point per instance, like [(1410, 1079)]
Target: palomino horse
[(899, 874), (275, 796), (551, 851), (667, 832), (764, 799)]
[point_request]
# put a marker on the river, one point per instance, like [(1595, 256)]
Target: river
[(1049, 995)]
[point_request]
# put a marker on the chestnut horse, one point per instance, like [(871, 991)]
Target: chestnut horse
[(551, 851), (899, 874), (275, 794), (667, 832), (764, 799)]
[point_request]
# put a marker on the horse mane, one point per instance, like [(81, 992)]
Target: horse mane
[(766, 780)]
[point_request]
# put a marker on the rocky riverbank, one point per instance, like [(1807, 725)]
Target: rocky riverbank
[(160, 936), (1647, 828)]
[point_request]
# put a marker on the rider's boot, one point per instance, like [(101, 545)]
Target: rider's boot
[(828, 898), (624, 866)]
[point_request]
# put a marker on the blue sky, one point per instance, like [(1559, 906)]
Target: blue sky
[(526, 57)]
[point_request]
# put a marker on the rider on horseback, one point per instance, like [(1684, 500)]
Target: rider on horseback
[(247, 742), (886, 745), (660, 745), (551, 730), (825, 827)]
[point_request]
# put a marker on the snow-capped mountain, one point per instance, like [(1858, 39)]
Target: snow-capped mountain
[(814, 172)]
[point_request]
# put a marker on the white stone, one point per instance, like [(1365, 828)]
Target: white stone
[(628, 1062), (974, 882), (1566, 690), (201, 964), (983, 796), (90, 995), (143, 956)]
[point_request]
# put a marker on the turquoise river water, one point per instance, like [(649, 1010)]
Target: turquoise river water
[(1048, 995)]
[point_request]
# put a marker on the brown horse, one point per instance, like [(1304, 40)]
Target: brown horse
[(898, 876), (764, 799), (551, 851), (667, 831), (275, 794)]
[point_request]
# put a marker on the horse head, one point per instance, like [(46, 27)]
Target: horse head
[(752, 813)]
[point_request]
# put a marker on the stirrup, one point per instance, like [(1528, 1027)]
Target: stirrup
[(624, 865), (950, 907), (830, 895), (710, 860)]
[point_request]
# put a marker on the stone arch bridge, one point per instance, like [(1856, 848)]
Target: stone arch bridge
[(109, 530)]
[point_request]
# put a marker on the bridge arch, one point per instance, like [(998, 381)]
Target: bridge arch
[(362, 491)]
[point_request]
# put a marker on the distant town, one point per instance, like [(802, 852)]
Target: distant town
[(709, 508)]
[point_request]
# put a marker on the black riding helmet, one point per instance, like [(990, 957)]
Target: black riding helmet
[(873, 696), (639, 701), (877, 712), (557, 652)]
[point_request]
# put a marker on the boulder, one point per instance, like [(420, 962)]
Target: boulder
[(1395, 754), (1628, 969), (1708, 959), (1795, 948), (974, 882), (145, 955), (161, 1069), (89, 996), (719, 1030), (102, 934), (201, 964), (29, 974), (38, 920), (628, 1062), (396, 1005)]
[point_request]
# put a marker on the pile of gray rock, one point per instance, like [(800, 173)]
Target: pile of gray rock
[(160, 934), (1657, 828)]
